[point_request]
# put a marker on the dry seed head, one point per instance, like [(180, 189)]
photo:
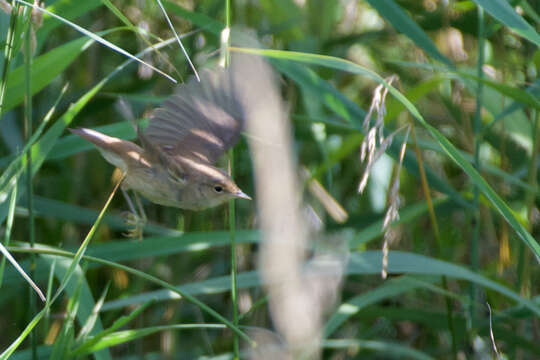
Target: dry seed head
[(372, 148), (392, 214), (374, 143)]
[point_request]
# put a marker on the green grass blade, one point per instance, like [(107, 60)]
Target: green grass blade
[(78, 286), (89, 325), (350, 307), (96, 342), (369, 262), (97, 38), (44, 69), (15, 344), (63, 284), (66, 211), (403, 23), (361, 263), (387, 350), (69, 9), (125, 250), (502, 11), (11, 175), (13, 262), (122, 337), (8, 228), (171, 27), (178, 292)]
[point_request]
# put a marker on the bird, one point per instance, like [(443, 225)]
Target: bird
[(174, 165)]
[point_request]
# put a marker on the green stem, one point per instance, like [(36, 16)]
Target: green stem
[(232, 213), (234, 291), (228, 13), (435, 226), (450, 319), (28, 127), (29, 187), (475, 259)]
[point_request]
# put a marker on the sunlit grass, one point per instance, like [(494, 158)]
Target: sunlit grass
[(466, 233)]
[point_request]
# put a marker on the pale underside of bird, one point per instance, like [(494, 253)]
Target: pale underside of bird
[(174, 166)]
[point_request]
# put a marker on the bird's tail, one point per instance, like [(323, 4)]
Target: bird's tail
[(116, 151)]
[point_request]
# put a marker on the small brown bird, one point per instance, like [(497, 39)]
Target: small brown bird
[(174, 166)]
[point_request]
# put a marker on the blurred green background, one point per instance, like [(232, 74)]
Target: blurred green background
[(466, 235)]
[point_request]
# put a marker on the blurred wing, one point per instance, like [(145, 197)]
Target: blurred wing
[(202, 120)]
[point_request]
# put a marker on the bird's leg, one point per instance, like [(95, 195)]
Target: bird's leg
[(133, 218), (128, 200), (141, 209)]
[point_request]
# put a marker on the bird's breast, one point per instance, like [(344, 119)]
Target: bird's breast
[(155, 184)]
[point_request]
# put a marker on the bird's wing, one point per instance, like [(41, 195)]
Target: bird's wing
[(202, 120)]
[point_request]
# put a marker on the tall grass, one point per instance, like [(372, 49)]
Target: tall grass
[(467, 225)]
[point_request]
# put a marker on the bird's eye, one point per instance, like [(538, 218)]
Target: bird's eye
[(218, 188)]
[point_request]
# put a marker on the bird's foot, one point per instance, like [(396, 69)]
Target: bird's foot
[(135, 225)]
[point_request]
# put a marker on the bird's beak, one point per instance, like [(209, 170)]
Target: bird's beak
[(241, 195)]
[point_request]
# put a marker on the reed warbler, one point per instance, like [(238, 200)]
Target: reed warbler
[(174, 166)]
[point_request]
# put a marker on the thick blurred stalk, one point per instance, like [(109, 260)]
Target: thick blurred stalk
[(297, 291)]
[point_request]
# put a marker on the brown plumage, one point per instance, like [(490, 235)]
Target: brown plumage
[(185, 137)]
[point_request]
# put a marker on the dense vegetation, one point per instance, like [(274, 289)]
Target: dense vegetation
[(463, 266)]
